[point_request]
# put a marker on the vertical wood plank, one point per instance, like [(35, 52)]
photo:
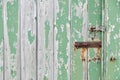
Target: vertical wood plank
[(62, 39), (11, 40), (28, 39), (79, 31), (95, 19), (45, 39), (113, 39), (1, 40)]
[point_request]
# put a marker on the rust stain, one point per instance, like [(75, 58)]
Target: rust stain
[(98, 52), (83, 54), (74, 49)]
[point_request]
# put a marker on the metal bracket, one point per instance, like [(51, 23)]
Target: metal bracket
[(88, 44), (98, 29), (94, 30)]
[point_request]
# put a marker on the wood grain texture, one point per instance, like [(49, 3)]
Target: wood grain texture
[(95, 19), (1, 41), (79, 31), (113, 39), (37, 39), (11, 40), (45, 39), (62, 40), (28, 40)]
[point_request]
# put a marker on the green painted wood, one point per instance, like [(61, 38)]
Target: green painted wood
[(77, 27), (62, 40), (11, 41), (86, 14), (28, 40), (45, 40), (95, 19), (113, 38), (1, 40), (37, 39)]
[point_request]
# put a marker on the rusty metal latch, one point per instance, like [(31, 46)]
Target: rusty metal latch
[(94, 30), (99, 29), (88, 44)]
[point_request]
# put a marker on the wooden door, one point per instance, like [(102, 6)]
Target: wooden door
[(86, 14), (37, 39)]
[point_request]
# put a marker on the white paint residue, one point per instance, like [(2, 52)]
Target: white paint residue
[(85, 21), (79, 10), (55, 56), (1, 53), (67, 66), (118, 69), (62, 27), (56, 8), (11, 1), (117, 36), (118, 0), (68, 33), (118, 19), (109, 33), (97, 3), (61, 12)]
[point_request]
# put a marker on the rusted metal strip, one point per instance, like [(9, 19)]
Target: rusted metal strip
[(88, 44)]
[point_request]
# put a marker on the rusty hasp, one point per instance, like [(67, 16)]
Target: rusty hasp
[(88, 44), (99, 29)]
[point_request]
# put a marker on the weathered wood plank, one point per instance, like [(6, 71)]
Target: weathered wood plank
[(1, 41), (62, 40), (11, 40), (113, 39), (95, 19), (79, 28), (28, 40), (45, 39)]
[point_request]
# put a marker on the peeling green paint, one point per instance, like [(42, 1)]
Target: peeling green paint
[(47, 30), (1, 68), (13, 73), (12, 28), (95, 12), (62, 19), (45, 78), (76, 24), (113, 40), (76, 32), (12, 24), (95, 19), (31, 37)]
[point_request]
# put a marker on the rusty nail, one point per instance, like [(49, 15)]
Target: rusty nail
[(112, 59)]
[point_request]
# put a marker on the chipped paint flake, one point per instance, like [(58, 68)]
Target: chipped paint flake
[(12, 23), (31, 36), (61, 37), (47, 31)]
